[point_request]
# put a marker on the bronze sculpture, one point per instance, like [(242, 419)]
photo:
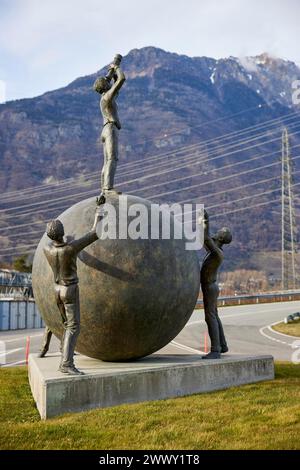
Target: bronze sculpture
[(46, 342), (111, 123), (62, 258), (47, 336), (210, 289), (127, 301), (121, 317)]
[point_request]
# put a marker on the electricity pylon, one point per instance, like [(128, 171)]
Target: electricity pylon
[(288, 226)]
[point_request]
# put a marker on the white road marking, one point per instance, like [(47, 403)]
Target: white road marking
[(271, 337), (246, 313), (19, 338), (187, 348), (11, 351), (261, 330), (196, 322), (14, 363), (228, 316), (279, 333)]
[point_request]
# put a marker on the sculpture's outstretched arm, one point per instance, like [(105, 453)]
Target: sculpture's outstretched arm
[(90, 237), (209, 243), (113, 91)]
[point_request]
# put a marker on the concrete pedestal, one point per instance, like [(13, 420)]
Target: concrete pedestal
[(154, 377)]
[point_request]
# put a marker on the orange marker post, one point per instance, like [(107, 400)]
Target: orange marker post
[(27, 349), (205, 343)]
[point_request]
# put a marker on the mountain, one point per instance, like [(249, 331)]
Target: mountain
[(175, 111)]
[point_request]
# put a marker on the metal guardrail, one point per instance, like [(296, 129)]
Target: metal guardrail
[(255, 298)]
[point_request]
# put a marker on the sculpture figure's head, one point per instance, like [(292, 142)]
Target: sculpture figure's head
[(101, 85), (223, 236), (55, 230)]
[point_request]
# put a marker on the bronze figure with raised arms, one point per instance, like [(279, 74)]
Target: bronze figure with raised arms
[(62, 258), (210, 289), (111, 123)]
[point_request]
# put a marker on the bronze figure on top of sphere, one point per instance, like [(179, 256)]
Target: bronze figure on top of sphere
[(111, 123), (121, 318), (209, 271), (62, 258)]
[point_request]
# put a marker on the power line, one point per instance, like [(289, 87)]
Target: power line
[(20, 247), (28, 224), (39, 211), (226, 136), (216, 180), (62, 186), (244, 208), (251, 196), (228, 190), (28, 251), (142, 161), (64, 198), (181, 189), (5, 250), (91, 192), (213, 141), (209, 196), (181, 130), (209, 171), (164, 183)]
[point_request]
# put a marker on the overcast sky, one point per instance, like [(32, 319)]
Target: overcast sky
[(45, 44)]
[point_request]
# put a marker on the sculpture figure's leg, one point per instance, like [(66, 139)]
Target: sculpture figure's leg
[(111, 151), (210, 298), (46, 342), (61, 308), (70, 298), (104, 158), (223, 342)]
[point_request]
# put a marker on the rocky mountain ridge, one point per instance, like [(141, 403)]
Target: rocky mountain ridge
[(170, 104)]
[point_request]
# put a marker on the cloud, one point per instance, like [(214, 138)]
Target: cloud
[(249, 64), (33, 27), (54, 41)]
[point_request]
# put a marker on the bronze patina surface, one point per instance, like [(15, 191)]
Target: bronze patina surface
[(135, 295)]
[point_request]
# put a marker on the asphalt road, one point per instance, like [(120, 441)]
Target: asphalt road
[(247, 329)]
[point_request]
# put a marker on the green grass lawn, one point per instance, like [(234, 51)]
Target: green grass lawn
[(258, 416), (292, 329)]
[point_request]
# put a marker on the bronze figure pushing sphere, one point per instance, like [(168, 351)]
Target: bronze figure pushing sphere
[(136, 295)]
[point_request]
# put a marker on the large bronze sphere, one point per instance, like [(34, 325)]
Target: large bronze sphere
[(135, 295)]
